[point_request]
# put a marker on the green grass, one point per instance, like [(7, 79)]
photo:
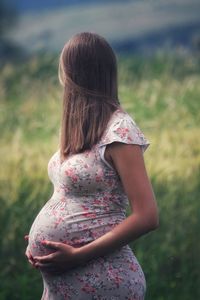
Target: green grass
[(162, 94)]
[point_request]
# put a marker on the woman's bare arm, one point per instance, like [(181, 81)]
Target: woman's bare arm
[(129, 162)]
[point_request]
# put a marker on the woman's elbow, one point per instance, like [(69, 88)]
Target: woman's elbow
[(154, 222)]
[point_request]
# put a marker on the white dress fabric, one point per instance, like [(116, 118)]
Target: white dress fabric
[(88, 201)]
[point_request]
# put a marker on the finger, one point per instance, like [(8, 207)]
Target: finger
[(32, 263), (30, 259), (50, 244), (45, 266), (44, 259), (28, 253), (29, 256), (26, 237)]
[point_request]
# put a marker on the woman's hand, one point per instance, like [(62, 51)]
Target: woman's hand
[(30, 257), (63, 259), (28, 254)]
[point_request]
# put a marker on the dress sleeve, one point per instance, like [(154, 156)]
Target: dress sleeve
[(123, 130)]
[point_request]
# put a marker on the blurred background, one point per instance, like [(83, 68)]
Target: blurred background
[(157, 44)]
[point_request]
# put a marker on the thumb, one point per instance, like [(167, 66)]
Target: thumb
[(50, 244)]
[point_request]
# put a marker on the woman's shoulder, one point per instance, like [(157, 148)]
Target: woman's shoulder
[(123, 128), (120, 119), (118, 115)]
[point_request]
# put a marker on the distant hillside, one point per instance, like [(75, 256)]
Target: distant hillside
[(168, 38), (38, 5), (128, 25)]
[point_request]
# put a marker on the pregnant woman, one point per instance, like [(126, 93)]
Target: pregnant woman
[(79, 239)]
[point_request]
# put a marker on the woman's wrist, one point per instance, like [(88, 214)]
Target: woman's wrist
[(82, 255), (103, 245), (127, 231)]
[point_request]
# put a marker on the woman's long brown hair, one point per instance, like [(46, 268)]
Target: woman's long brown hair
[(88, 73)]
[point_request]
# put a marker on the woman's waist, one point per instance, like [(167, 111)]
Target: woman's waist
[(69, 226), (76, 220), (72, 211), (75, 236), (98, 201)]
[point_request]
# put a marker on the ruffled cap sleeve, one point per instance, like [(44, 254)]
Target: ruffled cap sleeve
[(124, 129)]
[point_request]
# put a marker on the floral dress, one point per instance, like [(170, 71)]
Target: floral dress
[(87, 202)]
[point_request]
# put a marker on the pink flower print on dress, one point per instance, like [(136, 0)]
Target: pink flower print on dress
[(122, 132), (88, 288), (111, 182), (66, 190), (69, 172), (90, 197), (86, 208), (77, 240), (86, 166), (62, 199), (74, 178), (133, 266), (88, 214), (84, 226), (54, 212), (118, 280), (58, 221), (95, 235), (139, 133), (54, 162), (105, 198), (114, 274), (99, 175), (65, 241), (97, 178), (107, 208), (86, 153), (97, 201)]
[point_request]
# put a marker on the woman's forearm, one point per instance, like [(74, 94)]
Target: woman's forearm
[(128, 230)]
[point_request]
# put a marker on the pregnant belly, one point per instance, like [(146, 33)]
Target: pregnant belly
[(75, 230)]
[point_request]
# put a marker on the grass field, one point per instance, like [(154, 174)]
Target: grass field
[(163, 96)]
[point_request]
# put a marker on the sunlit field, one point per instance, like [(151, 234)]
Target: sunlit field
[(162, 94)]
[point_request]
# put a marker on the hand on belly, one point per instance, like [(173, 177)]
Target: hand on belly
[(37, 248)]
